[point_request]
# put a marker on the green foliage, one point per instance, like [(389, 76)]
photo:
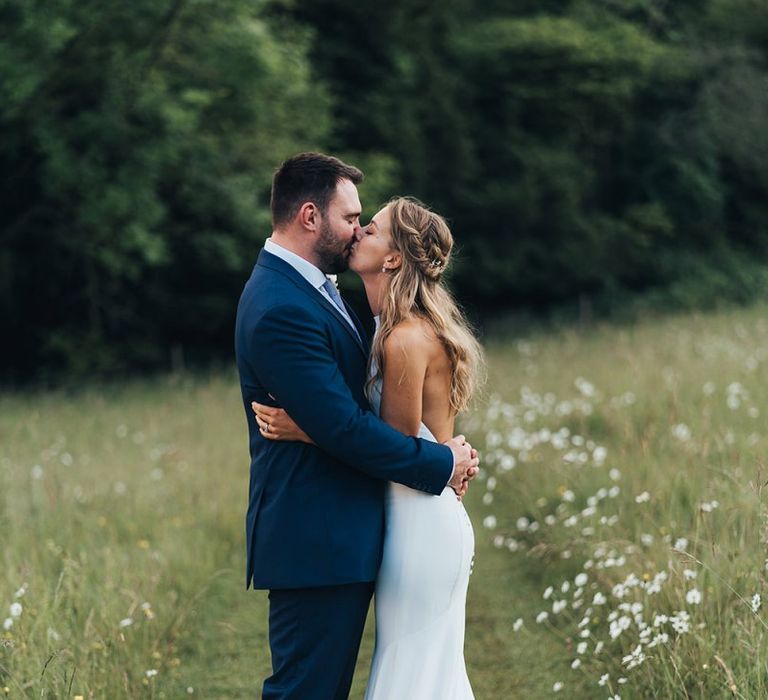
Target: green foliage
[(141, 139), (555, 134), (579, 149)]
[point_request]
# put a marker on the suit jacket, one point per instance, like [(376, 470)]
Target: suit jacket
[(316, 513)]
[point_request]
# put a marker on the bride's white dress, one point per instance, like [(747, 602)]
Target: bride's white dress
[(421, 593)]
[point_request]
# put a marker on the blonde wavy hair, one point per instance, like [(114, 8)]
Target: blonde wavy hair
[(424, 241)]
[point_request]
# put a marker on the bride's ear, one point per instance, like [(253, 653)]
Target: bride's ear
[(392, 262)]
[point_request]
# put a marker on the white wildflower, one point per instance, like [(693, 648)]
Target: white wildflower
[(618, 626), (655, 586), (661, 638), (681, 622), (635, 658)]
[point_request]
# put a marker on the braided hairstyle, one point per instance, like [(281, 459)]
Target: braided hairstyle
[(424, 241)]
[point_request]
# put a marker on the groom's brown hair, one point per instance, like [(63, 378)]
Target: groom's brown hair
[(307, 177)]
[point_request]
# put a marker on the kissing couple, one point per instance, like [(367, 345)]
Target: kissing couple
[(356, 480)]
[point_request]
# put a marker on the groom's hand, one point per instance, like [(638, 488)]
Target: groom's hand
[(466, 464)]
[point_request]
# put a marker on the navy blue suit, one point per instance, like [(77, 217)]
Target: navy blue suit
[(315, 520)]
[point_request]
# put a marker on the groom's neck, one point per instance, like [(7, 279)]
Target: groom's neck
[(298, 245)]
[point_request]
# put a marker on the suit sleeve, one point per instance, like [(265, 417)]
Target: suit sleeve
[(293, 359)]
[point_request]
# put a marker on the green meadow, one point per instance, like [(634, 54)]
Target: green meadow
[(620, 529)]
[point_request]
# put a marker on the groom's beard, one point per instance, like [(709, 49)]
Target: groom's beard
[(332, 254)]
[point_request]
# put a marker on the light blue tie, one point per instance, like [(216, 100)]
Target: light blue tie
[(330, 287)]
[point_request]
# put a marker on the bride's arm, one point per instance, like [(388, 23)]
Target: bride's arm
[(406, 356)]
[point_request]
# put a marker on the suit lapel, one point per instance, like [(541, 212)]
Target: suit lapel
[(279, 265)]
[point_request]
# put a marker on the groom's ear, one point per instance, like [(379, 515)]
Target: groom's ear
[(309, 216)]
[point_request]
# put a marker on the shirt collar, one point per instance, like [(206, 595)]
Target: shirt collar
[(314, 275)]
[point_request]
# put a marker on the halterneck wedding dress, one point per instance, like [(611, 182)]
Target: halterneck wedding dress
[(421, 593)]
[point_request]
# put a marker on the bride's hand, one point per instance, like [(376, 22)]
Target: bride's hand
[(276, 424)]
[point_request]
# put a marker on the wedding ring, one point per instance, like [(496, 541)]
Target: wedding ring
[(266, 429)]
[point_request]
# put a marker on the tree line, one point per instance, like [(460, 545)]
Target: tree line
[(613, 149)]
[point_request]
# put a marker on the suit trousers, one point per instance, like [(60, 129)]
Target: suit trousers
[(314, 637)]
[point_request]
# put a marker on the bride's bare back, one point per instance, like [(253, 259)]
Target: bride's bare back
[(417, 380)]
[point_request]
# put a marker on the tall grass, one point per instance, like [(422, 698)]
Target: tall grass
[(121, 508), (624, 474), (621, 494)]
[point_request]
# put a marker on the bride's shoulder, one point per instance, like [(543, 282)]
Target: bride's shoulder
[(410, 335)]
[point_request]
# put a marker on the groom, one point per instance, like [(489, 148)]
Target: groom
[(315, 521)]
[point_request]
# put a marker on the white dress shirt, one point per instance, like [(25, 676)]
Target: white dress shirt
[(314, 275)]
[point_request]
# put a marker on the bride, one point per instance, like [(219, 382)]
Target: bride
[(423, 370)]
